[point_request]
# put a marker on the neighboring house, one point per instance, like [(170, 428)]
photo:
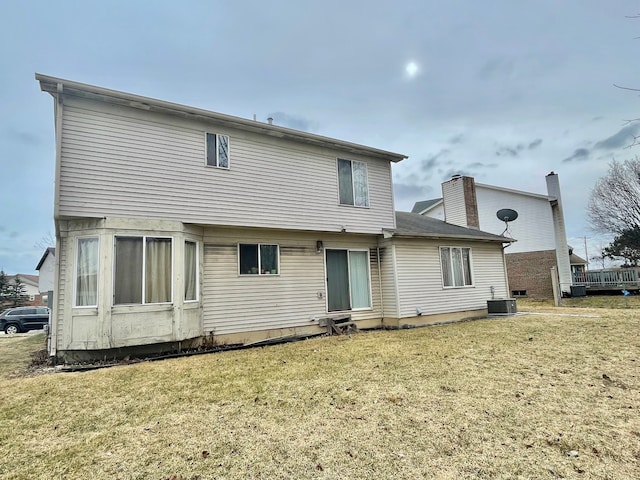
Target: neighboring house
[(46, 270), (175, 223), (539, 228), (30, 290), (578, 264)]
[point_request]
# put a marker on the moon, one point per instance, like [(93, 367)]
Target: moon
[(411, 69)]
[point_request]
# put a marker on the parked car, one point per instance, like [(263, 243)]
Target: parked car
[(23, 319)]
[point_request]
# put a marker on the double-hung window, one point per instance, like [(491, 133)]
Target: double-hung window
[(352, 183), (258, 259), (86, 278), (143, 270), (348, 280), (456, 266), (217, 150)]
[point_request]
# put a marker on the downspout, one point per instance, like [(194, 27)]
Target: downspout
[(53, 344), (380, 282), (506, 273)]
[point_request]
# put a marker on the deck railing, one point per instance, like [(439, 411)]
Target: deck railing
[(608, 278)]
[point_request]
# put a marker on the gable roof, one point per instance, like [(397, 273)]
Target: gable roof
[(24, 278), (576, 260), (48, 251), (415, 225), (424, 205), (56, 86)]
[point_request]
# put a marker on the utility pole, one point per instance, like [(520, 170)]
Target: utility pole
[(586, 254)]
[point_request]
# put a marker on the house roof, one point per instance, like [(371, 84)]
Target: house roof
[(48, 251), (576, 260), (424, 205), (24, 278), (56, 86), (415, 225)]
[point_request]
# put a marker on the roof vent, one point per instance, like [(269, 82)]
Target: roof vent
[(270, 120)]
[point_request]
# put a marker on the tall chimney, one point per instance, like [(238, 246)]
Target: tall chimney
[(562, 248), (460, 202)]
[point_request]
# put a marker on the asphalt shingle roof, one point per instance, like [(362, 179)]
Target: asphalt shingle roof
[(414, 225), (424, 204)]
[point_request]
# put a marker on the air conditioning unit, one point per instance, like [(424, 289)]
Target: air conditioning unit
[(506, 306)]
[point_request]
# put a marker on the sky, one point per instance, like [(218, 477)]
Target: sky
[(504, 91)]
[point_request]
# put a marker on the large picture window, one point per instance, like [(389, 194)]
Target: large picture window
[(348, 280), (143, 270), (456, 266), (190, 271), (258, 259), (353, 183), (87, 273), (217, 150)]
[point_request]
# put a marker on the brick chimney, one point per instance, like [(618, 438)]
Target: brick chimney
[(460, 202)]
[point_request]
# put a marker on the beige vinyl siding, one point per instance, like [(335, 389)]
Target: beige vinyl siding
[(65, 289), (125, 162), (455, 210), (420, 279), (389, 285), (296, 297)]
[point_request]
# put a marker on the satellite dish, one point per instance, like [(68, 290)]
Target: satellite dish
[(507, 215)]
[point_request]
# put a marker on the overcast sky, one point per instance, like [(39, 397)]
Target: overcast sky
[(505, 91)]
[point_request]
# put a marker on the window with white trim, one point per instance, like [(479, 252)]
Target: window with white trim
[(190, 271), (217, 150), (143, 270), (456, 266), (352, 183), (86, 278), (348, 286), (258, 259)]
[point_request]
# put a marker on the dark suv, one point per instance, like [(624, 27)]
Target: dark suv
[(22, 319)]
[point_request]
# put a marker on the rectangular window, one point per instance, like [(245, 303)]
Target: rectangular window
[(190, 271), (352, 183), (87, 273), (258, 259), (456, 266), (347, 280), (217, 150), (143, 270)]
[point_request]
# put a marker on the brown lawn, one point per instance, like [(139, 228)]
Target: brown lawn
[(551, 395)]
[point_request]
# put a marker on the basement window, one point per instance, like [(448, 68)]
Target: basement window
[(518, 293)]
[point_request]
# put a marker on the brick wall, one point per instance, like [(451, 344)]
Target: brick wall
[(531, 271)]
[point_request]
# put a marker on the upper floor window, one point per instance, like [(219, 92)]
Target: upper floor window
[(456, 266), (143, 270), (86, 279), (352, 183), (258, 259), (217, 150)]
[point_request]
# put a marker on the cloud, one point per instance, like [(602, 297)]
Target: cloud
[(456, 139), (623, 138), (431, 162), (482, 165), (579, 154), (535, 144), (293, 121), (497, 67), (22, 137)]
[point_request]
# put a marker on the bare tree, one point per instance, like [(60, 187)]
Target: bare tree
[(614, 204)]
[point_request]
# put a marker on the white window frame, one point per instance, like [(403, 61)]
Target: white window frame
[(466, 285), (326, 286), (197, 299), (353, 187), (75, 272), (206, 151), (144, 268), (259, 274)]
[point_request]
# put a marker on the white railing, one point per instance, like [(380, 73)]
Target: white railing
[(618, 277)]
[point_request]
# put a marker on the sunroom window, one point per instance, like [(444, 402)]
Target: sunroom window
[(86, 294), (143, 270)]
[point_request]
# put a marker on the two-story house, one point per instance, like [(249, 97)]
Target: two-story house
[(539, 228), (175, 223)]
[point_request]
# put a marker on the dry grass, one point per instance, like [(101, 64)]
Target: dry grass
[(15, 352), (493, 399)]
